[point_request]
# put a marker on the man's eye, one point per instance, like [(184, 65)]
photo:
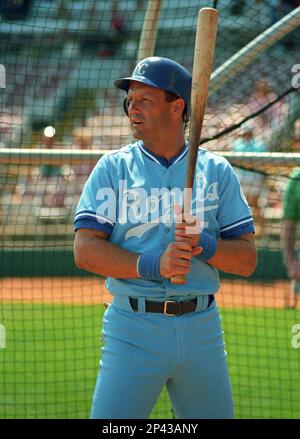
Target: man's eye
[(140, 101)]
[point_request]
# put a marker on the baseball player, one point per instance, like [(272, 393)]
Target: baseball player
[(290, 236), (128, 228)]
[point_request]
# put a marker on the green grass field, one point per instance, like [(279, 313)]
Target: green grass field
[(49, 366)]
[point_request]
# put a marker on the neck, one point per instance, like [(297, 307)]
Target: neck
[(166, 147)]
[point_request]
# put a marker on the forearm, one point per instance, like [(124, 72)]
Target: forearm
[(236, 256), (104, 258), (95, 253)]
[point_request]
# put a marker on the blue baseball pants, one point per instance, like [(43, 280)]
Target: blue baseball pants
[(142, 352)]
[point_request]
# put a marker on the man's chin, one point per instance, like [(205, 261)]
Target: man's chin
[(137, 135)]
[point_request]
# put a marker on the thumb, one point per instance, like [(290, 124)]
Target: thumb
[(196, 251)]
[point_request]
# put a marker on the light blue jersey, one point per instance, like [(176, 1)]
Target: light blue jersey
[(130, 195)]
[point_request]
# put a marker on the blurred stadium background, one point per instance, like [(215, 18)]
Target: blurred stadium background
[(60, 58)]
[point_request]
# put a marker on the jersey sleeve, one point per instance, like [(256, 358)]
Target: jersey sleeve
[(291, 199), (96, 208), (234, 214)]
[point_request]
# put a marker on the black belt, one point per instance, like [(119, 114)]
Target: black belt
[(169, 308)]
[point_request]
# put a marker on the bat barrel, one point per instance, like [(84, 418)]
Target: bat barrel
[(202, 68)]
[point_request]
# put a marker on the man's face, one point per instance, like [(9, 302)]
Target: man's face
[(149, 112)]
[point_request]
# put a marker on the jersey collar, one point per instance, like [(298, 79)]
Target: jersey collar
[(161, 160)]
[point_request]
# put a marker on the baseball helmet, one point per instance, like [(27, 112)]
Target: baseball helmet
[(162, 73)]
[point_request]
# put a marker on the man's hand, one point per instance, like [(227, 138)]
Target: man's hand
[(187, 229), (176, 259)]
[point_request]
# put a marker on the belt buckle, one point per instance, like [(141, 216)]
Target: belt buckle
[(166, 306)]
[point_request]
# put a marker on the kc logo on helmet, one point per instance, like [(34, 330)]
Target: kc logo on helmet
[(141, 69)]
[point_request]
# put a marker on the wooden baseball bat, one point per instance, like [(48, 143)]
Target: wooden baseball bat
[(202, 68), (149, 31)]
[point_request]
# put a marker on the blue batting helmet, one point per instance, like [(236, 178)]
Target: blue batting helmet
[(161, 73)]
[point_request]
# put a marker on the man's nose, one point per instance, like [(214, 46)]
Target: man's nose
[(133, 107)]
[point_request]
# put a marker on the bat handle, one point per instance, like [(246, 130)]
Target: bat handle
[(178, 279)]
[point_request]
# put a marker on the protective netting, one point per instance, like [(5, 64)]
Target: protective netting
[(58, 62)]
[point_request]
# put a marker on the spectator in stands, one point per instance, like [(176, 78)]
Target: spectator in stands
[(273, 117), (247, 142), (290, 235), (116, 32), (103, 38), (251, 182)]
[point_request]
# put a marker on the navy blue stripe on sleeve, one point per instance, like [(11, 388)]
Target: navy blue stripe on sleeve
[(238, 231), (88, 223), (239, 222)]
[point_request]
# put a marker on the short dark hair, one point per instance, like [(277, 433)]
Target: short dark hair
[(170, 97)]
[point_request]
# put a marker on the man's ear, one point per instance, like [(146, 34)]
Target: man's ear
[(178, 107)]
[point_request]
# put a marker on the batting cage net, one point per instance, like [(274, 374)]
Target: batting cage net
[(60, 113)]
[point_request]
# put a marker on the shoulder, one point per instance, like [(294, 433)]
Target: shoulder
[(213, 159), (115, 157), (218, 170)]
